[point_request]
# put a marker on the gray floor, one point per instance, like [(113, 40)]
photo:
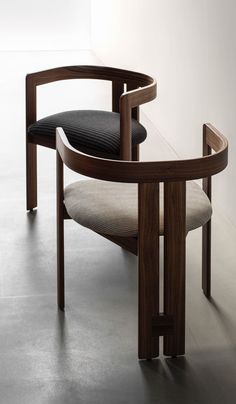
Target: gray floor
[(89, 354)]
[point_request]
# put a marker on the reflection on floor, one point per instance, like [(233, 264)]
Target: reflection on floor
[(89, 354)]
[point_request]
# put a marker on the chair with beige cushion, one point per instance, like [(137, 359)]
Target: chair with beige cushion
[(132, 204)]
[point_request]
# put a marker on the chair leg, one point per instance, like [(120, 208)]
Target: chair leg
[(135, 153), (148, 255), (60, 264), (60, 236), (206, 229), (174, 265), (206, 259), (31, 176)]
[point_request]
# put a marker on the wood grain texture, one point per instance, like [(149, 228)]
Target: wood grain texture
[(148, 261), (89, 72), (148, 171), (174, 265), (135, 153), (125, 133), (31, 176), (208, 143), (135, 111), (206, 259), (31, 101), (128, 243), (31, 150), (117, 91), (128, 102), (42, 140), (60, 234), (162, 325)]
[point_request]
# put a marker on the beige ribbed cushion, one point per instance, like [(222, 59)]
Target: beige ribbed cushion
[(112, 208)]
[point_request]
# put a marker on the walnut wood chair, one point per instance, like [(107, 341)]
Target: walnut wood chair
[(100, 133), (134, 217)]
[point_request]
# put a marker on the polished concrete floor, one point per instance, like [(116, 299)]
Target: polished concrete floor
[(89, 353)]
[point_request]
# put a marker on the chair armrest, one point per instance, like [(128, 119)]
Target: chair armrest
[(212, 140), (129, 100), (138, 171)]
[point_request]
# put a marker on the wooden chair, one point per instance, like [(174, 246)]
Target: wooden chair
[(137, 221), (100, 133)]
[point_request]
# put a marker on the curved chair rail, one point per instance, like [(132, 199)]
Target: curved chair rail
[(153, 171), (89, 72)]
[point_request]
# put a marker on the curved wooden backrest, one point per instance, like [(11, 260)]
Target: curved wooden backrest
[(89, 72), (142, 172), (141, 88)]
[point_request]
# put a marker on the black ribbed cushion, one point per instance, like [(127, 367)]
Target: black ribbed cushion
[(93, 130)]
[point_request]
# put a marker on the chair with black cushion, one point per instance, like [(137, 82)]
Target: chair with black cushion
[(109, 134), (133, 204)]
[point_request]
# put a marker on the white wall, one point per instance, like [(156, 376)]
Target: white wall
[(44, 24), (190, 47)]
